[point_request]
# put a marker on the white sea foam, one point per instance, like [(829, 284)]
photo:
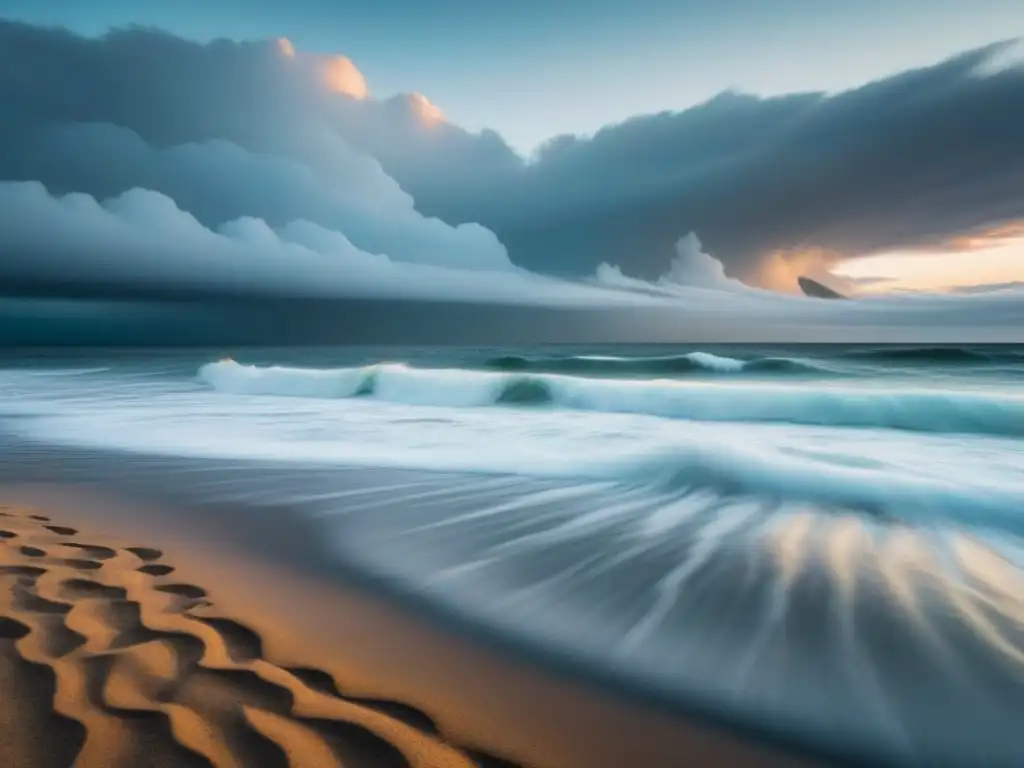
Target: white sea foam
[(717, 362), (897, 473), (784, 443), (924, 410)]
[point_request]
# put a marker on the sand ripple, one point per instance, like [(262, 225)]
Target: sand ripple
[(107, 660)]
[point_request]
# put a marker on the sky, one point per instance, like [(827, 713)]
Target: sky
[(534, 69), (994, 262), (602, 160)]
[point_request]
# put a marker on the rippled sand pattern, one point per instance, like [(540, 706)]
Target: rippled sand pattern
[(108, 660)]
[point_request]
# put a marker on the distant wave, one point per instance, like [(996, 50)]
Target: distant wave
[(56, 372), (708, 364), (943, 355), (916, 410), (690, 363)]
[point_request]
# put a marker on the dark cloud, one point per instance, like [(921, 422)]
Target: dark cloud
[(226, 129), (230, 129), (169, 91), (908, 161), (251, 191)]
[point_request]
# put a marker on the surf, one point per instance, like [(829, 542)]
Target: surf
[(918, 410)]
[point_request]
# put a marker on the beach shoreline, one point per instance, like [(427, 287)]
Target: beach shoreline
[(430, 697)]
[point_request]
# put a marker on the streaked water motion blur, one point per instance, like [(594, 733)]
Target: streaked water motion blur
[(821, 543)]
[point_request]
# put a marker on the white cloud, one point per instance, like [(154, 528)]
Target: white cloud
[(693, 266), (342, 76), (692, 273), (143, 239), (219, 180), (697, 286)]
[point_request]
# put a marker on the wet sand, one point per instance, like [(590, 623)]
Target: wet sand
[(129, 637)]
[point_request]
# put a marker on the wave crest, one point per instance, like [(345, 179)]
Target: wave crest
[(692, 363), (939, 411)]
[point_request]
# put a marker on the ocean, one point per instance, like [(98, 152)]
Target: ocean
[(822, 544)]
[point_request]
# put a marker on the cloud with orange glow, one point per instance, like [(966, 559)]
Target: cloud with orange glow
[(427, 111), (284, 45), (991, 258), (779, 270), (337, 73), (340, 75)]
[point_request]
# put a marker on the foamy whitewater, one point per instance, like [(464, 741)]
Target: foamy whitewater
[(821, 544)]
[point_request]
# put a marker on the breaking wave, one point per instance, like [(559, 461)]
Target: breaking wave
[(922, 410)]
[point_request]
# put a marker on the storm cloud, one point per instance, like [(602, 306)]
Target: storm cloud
[(907, 162), (140, 167), (230, 129)]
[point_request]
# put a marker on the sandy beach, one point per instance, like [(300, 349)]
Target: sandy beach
[(169, 650)]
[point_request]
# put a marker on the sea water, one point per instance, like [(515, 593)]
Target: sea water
[(820, 543)]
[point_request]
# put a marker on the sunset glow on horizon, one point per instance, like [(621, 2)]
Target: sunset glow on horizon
[(993, 259)]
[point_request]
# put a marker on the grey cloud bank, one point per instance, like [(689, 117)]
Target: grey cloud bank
[(901, 163), (141, 243), (142, 167)]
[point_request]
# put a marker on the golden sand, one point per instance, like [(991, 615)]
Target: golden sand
[(108, 660)]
